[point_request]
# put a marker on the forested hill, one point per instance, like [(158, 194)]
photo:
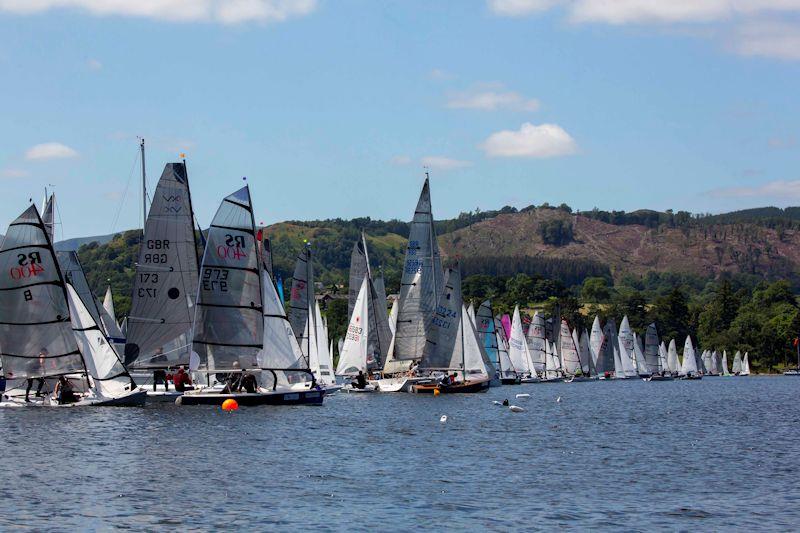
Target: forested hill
[(545, 241)]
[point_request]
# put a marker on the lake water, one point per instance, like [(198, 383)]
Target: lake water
[(716, 454)]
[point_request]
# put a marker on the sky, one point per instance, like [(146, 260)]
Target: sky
[(337, 108)]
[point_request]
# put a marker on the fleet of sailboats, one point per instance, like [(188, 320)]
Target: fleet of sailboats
[(223, 318)]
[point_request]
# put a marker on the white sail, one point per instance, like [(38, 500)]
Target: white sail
[(518, 346), (109, 377), (725, 371), (627, 353), (689, 364), (745, 365), (280, 351), (353, 354), (536, 342), (714, 368), (570, 360), (108, 304), (638, 353), (393, 316), (475, 360), (552, 363), (324, 372), (598, 348), (737, 363), (672, 358), (471, 313), (663, 365)]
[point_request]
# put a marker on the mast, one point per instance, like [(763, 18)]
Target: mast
[(144, 188)]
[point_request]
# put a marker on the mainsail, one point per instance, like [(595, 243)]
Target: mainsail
[(166, 278), (228, 330), (587, 363), (627, 354), (35, 326), (421, 283), (484, 325), (536, 342), (689, 364), (598, 348), (353, 354), (504, 365), (518, 347), (737, 363), (569, 350), (73, 273), (380, 334), (301, 300), (672, 358), (725, 371), (745, 365), (651, 349)]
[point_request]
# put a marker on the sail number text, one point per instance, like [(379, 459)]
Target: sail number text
[(147, 292), (215, 279), (30, 265)]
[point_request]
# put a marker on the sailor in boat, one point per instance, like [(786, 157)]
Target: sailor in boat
[(64, 392), (160, 374), (42, 355), (248, 382), (182, 380), (360, 381)]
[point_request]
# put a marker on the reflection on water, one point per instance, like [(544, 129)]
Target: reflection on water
[(719, 453)]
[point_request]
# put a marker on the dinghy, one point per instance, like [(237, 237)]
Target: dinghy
[(164, 287), (662, 373), (737, 363), (536, 340), (689, 368), (627, 357), (673, 364), (724, 363), (518, 350), (420, 287), (553, 372), (241, 337), (508, 374), (47, 331), (354, 354), (745, 365), (484, 327), (600, 351), (453, 347), (570, 357)]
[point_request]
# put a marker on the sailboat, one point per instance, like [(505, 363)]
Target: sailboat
[(665, 374), (484, 326), (745, 365), (420, 287), (673, 364), (47, 330), (452, 345), (380, 333), (165, 285), (536, 340), (599, 351), (508, 374), (354, 354), (737, 363), (239, 329), (553, 372), (323, 365), (570, 357), (689, 368), (108, 306), (518, 350), (655, 356), (627, 356), (725, 371)]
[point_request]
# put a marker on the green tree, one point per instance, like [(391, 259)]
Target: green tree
[(595, 290)]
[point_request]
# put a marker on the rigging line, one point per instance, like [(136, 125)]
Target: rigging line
[(124, 193)]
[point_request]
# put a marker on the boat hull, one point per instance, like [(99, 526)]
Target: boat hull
[(510, 381), (399, 384), (459, 388), (307, 397), (656, 377)]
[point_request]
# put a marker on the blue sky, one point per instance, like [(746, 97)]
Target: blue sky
[(331, 109)]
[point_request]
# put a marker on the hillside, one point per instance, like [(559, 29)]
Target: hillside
[(704, 250)]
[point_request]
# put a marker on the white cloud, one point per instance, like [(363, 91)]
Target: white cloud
[(94, 64), (224, 11), (546, 140), (639, 11), (774, 189), (491, 98), (438, 74), (444, 163), (518, 8), (50, 151), (768, 39), (400, 160), (13, 173)]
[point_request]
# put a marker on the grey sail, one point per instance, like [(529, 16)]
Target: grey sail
[(35, 323), (359, 267), (228, 329), (73, 273), (442, 351), (484, 324), (166, 278), (421, 283), (651, 349), (301, 299), (49, 217), (266, 253), (382, 327)]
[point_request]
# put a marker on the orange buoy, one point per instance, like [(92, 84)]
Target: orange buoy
[(436, 392), (230, 405)]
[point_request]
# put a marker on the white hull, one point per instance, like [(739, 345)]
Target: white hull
[(400, 384)]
